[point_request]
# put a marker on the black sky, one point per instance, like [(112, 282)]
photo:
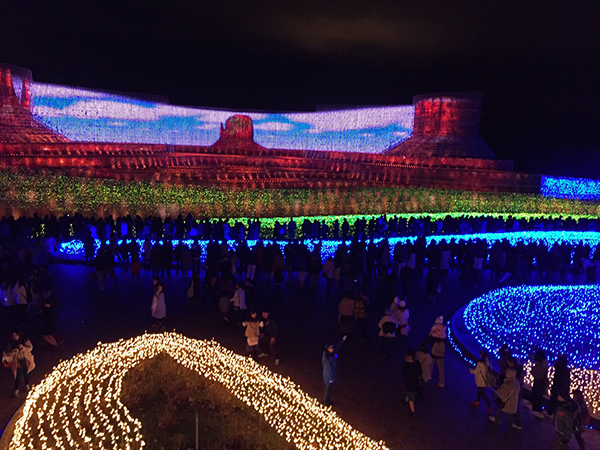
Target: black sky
[(536, 62)]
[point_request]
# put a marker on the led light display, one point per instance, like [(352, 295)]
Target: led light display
[(74, 248), (94, 116), (78, 404), (561, 320), (26, 193), (575, 188)]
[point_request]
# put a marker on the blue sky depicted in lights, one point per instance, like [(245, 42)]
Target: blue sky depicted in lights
[(87, 115)]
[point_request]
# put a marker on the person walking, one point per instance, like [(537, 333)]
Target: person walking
[(539, 372), (329, 363), (484, 377), (412, 377), (424, 359), (437, 335), (19, 357), (158, 307), (508, 398)]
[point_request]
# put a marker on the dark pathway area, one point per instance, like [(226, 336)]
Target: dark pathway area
[(370, 390)]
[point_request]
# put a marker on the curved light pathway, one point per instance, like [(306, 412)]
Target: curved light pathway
[(561, 320), (78, 404)]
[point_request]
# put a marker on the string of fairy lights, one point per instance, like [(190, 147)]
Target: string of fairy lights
[(561, 320), (74, 249), (78, 404)]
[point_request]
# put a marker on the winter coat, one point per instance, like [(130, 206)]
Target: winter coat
[(159, 307), (252, 333), (401, 316), (269, 328), (383, 320), (239, 299), (509, 394), (480, 371), (14, 355), (425, 361), (329, 362), (411, 375), (328, 268), (566, 416)]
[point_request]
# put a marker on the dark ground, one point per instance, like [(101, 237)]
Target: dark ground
[(369, 392)]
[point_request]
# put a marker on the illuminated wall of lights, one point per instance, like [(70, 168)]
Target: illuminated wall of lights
[(25, 193), (78, 404), (74, 249), (94, 116), (558, 319), (575, 188)]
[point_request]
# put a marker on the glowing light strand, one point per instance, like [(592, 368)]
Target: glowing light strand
[(78, 404), (558, 319)]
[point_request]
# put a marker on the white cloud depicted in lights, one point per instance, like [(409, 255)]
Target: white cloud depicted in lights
[(355, 119), (273, 126)]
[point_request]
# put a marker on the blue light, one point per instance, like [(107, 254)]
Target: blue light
[(561, 320), (575, 188), (329, 246)]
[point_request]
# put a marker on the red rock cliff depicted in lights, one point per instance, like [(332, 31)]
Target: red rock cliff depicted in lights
[(17, 125), (238, 134), (445, 126)]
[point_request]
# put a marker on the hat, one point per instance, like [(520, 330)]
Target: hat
[(439, 320)]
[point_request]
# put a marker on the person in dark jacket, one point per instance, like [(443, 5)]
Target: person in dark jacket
[(561, 382), (268, 337), (329, 362), (539, 372), (412, 376), (567, 412)]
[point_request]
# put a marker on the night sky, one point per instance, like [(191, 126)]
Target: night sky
[(536, 62)]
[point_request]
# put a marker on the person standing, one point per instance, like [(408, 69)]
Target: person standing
[(253, 326), (437, 335), (539, 372), (19, 358), (158, 307), (424, 359), (360, 315), (329, 363), (561, 382), (238, 302), (401, 315), (268, 337), (567, 412), (346, 313), (387, 332), (412, 377), (508, 398), (582, 420), (483, 378)]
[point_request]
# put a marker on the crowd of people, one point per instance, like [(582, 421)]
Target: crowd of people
[(224, 278), (68, 227)]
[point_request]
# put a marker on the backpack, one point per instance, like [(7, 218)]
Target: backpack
[(438, 348), (388, 328)]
